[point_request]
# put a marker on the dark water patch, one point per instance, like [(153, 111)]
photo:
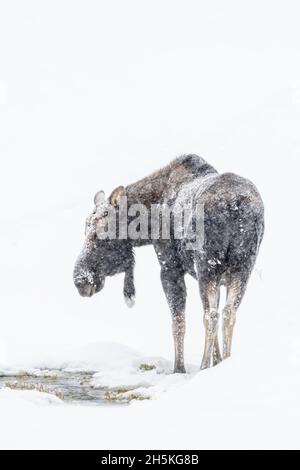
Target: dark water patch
[(71, 387)]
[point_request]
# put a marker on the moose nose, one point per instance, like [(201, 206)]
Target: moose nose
[(85, 289), (84, 281)]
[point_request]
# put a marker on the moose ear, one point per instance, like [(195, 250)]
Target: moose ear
[(116, 195), (99, 198)]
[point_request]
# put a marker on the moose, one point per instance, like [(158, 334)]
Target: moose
[(232, 225)]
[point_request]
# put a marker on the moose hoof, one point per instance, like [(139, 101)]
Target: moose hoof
[(205, 365), (217, 361), (179, 370), (226, 357), (130, 301)]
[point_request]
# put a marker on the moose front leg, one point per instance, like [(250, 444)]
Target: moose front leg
[(175, 291), (178, 328)]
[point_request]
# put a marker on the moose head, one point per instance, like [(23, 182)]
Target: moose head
[(103, 255)]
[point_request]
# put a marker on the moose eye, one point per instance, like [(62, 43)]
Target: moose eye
[(105, 213), (87, 226)]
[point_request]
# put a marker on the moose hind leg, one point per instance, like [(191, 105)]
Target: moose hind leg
[(235, 291), (216, 355), (210, 298)]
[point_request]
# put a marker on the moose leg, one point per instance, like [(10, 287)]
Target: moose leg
[(178, 329), (235, 291), (175, 291), (216, 355), (210, 298), (129, 289)]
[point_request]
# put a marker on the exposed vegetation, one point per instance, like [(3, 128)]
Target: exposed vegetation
[(146, 367), (22, 385), (123, 394)]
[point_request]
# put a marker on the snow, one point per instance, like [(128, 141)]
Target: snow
[(231, 406), (90, 111), (16, 398)]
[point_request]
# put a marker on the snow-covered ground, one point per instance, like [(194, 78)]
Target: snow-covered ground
[(240, 404), (93, 95)]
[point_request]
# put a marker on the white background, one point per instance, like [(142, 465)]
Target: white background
[(94, 94)]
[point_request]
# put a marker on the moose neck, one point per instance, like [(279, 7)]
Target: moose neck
[(155, 187), (148, 190)]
